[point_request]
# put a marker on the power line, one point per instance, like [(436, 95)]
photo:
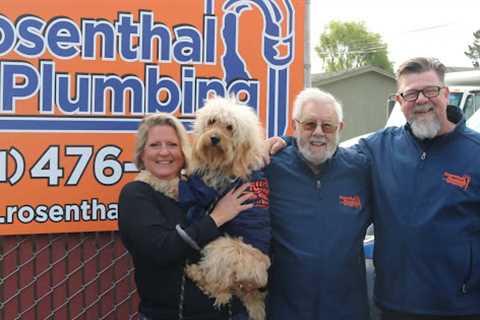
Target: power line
[(368, 49)]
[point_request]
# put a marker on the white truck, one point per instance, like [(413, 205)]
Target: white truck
[(464, 90)]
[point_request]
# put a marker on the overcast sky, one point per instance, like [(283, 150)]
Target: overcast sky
[(409, 27)]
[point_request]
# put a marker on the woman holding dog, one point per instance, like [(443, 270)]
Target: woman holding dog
[(150, 223)]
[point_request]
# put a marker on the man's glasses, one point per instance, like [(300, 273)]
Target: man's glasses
[(428, 92), (311, 125)]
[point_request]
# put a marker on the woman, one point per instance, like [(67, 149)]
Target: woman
[(150, 220)]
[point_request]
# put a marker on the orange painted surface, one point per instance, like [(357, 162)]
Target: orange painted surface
[(51, 196)]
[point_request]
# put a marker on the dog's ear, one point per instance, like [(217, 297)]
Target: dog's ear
[(249, 154), (242, 167), (196, 158)]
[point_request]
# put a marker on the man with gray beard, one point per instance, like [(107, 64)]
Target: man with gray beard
[(426, 203), (319, 206)]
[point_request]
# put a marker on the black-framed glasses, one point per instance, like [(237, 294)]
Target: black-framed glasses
[(311, 125), (428, 92)]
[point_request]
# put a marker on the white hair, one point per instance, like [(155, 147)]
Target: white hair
[(315, 95)]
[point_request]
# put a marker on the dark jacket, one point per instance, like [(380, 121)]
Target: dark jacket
[(252, 225), (318, 227), (427, 220), (147, 221)]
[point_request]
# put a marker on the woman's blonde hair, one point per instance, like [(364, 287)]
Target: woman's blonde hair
[(161, 119)]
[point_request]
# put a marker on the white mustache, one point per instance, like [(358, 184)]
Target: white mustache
[(422, 107), (317, 140)]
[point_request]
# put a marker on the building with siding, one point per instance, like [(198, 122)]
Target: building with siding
[(363, 93)]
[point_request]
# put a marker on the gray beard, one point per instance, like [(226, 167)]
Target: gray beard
[(315, 159), (425, 129)]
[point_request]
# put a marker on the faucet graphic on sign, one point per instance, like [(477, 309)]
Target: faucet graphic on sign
[(278, 65)]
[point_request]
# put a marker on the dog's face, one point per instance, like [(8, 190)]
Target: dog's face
[(227, 137), (215, 145)]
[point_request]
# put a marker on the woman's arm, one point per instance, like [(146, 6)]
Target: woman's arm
[(149, 230)]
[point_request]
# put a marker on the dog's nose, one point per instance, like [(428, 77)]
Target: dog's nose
[(215, 140)]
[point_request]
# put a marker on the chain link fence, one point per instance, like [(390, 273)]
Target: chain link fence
[(84, 276)]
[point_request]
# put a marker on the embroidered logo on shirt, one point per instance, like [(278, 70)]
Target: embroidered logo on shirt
[(458, 181), (261, 190), (353, 202)]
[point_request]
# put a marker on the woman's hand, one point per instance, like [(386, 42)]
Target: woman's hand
[(231, 204)]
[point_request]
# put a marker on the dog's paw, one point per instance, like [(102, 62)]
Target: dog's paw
[(222, 298), (254, 302), (194, 272)]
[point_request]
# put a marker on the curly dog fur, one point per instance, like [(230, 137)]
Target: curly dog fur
[(229, 144), (228, 267)]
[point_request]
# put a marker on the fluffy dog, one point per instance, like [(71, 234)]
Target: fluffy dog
[(227, 151)]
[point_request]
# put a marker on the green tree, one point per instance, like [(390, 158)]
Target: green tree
[(473, 51), (348, 45)]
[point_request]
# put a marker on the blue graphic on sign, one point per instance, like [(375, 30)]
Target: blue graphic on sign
[(278, 66)]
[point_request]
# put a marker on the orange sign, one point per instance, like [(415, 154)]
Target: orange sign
[(77, 77)]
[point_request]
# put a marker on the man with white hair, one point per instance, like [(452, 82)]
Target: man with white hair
[(319, 205)]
